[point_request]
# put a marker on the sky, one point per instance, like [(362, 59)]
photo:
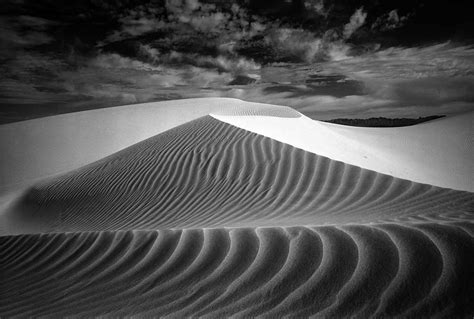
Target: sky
[(327, 59)]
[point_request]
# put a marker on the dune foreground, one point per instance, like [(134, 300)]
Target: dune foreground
[(228, 215)]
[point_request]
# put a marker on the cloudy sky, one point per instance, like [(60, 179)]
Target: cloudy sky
[(325, 58)]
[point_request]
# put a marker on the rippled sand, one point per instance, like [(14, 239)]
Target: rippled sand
[(209, 219)]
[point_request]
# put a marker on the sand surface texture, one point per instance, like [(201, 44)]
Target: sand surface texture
[(210, 219)]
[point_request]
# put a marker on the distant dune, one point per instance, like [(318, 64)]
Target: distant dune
[(254, 210)]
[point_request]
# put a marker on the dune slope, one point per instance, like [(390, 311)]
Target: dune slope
[(382, 270), (35, 149), (439, 152), (207, 173), (208, 219)]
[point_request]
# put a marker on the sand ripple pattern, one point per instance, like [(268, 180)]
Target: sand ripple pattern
[(212, 221), (210, 174), (387, 270), (258, 109)]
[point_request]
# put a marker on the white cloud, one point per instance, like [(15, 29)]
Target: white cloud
[(417, 78), (231, 64), (390, 21), (316, 6), (338, 51), (295, 42), (207, 23), (443, 59), (356, 21)]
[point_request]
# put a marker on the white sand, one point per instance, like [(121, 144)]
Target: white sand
[(439, 153), (34, 149), (209, 220), (207, 173)]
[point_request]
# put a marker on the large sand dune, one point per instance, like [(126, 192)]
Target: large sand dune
[(207, 173), (209, 219)]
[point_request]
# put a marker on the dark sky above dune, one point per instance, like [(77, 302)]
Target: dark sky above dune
[(325, 58)]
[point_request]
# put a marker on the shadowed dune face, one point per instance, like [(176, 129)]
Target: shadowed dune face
[(211, 220)]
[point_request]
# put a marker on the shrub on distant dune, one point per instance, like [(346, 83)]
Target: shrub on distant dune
[(384, 121)]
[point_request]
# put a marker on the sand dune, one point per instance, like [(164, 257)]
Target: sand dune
[(382, 270), (438, 153), (208, 219), (38, 148), (207, 173)]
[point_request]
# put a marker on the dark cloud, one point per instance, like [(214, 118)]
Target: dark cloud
[(315, 55), (23, 32), (320, 85)]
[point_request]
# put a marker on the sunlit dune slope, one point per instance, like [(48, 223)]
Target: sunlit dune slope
[(208, 219), (34, 149), (207, 173), (440, 152)]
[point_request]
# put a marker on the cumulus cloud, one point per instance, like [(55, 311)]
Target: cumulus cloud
[(390, 21), (356, 21), (316, 6), (295, 43), (442, 84), (394, 82), (417, 78), (181, 15), (141, 79), (234, 34), (299, 45), (187, 48), (222, 63), (33, 79)]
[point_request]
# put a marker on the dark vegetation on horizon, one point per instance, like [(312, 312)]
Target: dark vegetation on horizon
[(384, 121)]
